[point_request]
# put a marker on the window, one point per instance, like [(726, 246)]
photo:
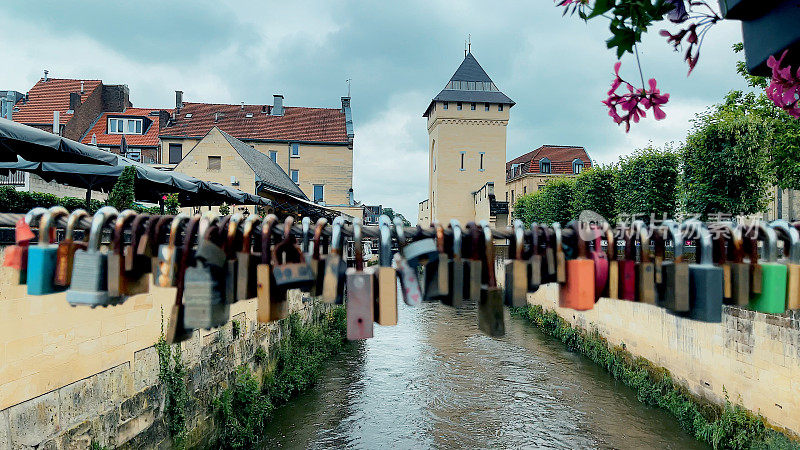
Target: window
[(486, 106), (295, 175), (134, 154), (480, 168), (295, 150), (462, 161), (472, 106), (524, 190), (175, 153), (500, 107), (214, 162), (127, 126), (273, 155), (506, 195), (544, 165), (444, 105), (458, 106), (319, 193), (512, 196), (577, 166)]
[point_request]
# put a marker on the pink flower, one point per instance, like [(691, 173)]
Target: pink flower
[(784, 89), (635, 103)]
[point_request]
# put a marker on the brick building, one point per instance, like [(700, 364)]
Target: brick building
[(139, 126)]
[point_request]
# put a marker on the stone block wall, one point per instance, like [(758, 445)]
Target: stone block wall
[(751, 356)]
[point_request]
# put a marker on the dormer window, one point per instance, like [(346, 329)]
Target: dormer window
[(577, 166), (124, 126), (544, 165)]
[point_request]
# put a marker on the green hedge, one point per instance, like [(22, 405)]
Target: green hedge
[(13, 201)]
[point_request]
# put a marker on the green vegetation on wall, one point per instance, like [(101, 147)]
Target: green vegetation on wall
[(172, 376)]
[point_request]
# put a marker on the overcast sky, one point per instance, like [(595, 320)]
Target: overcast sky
[(398, 55)]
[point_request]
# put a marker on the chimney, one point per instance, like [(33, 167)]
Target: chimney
[(350, 199), (82, 91), (242, 106), (45, 75), (56, 122), (94, 139), (216, 117), (178, 100), (345, 103), (277, 105), (74, 101)]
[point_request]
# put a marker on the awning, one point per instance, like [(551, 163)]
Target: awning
[(34, 144)]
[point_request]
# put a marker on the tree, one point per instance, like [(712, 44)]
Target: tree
[(224, 209), (595, 190), (389, 212), (647, 183), (123, 196), (726, 165), (552, 203), (171, 204)]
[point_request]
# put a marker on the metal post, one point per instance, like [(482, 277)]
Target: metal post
[(89, 198)]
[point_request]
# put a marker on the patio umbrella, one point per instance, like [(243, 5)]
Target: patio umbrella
[(33, 144)]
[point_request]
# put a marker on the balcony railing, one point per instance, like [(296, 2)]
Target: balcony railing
[(14, 178)]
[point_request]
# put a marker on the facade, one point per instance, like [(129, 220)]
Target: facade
[(467, 124), (314, 146), (140, 128), (528, 173)]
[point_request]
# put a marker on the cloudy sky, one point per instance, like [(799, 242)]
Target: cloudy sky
[(398, 55)]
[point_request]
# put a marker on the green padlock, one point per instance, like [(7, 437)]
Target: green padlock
[(772, 298)]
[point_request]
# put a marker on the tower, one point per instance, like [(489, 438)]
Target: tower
[(466, 147)]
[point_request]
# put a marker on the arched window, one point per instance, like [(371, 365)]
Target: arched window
[(544, 165), (577, 166)]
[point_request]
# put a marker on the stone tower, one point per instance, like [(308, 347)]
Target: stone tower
[(466, 148)]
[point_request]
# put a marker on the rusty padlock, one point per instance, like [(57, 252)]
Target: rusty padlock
[(266, 292), (67, 247), (360, 291)]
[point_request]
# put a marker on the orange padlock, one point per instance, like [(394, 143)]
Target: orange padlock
[(578, 291)]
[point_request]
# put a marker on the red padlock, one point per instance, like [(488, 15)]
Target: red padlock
[(16, 256), (600, 260), (627, 267), (579, 290)]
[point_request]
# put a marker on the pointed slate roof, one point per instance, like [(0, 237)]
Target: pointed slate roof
[(267, 172), (470, 83)]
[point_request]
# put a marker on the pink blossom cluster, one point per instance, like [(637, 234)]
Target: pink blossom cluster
[(784, 89), (690, 33), (634, 103)]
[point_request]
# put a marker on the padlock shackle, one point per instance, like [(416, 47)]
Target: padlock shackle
[(643, 236), (191, 230), (385, 249), (117, 237), (489, 253), (519, 238), (557, 237), (266, 237), (790, 237), (287, 246), (439, 236), (99, 220), (321, 222), (206, 220), (674, 233), (252, 221), (769, 239), (232, 225), (475, 234), (358, 244), (34, 214), (336, 236), (728, 245), (611, 249), (306, 226), (174, 227), (161, 225), (580, 244), (534, 239), (598, 238), (46, 235), (399, 231), (455, 226), (74, 219), (697, 231), (138, 230)]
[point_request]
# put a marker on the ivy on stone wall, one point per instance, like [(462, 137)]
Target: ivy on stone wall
[(172, 376)]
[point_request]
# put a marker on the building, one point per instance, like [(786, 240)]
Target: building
[(467, 124), (68, 107), (221, 158), (313, 145), (528, 173), (140, 128)]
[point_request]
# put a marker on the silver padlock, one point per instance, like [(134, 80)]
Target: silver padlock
[(409, 282), (90, 267), (204, 284), (360, 291)]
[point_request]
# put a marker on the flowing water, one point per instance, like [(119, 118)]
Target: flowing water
[(435, 381)]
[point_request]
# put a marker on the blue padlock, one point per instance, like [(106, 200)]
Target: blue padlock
[(42, 256)]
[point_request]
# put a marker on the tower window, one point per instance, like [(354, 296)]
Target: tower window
[(500, 107), (458, 106), (462, 161), (486, 106), (472, 106), (480, 168), (444, 105)]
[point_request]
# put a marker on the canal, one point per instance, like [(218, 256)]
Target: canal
[(435, 381)]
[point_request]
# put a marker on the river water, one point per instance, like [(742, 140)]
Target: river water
[(434, 381)]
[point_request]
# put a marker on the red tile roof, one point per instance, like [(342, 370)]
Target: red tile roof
[(560, 157), (148, 139), (297, 123), (52, 95)]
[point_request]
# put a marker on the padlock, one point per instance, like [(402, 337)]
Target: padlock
[(89, 284), (535, 261), (247, 261), (360, 291), (473, 268), (317, 261), (772, 298), (516, 270), (578, 291), (176, 331), (645, 269), (170, 255), (627, 267), (42, 257), (409, 282), (490, 306), (791, 251), (674, 288), (456, 270), (161, 233), (67, 247), (16, 256), (147, 245), (204, 283), (729, 254), (305, 246), (750, 240), (231, 261), (385, 277), (549, 271), (335, 267), (437, 284), (122, 283), (266, 293), (420, 252), (560, 261), (135, 261), (290, 269), (613, 265), (705, 279), (600, 260)]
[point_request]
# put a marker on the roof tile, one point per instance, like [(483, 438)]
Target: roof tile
[(51, 95), (100, 128), (560, 157)]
